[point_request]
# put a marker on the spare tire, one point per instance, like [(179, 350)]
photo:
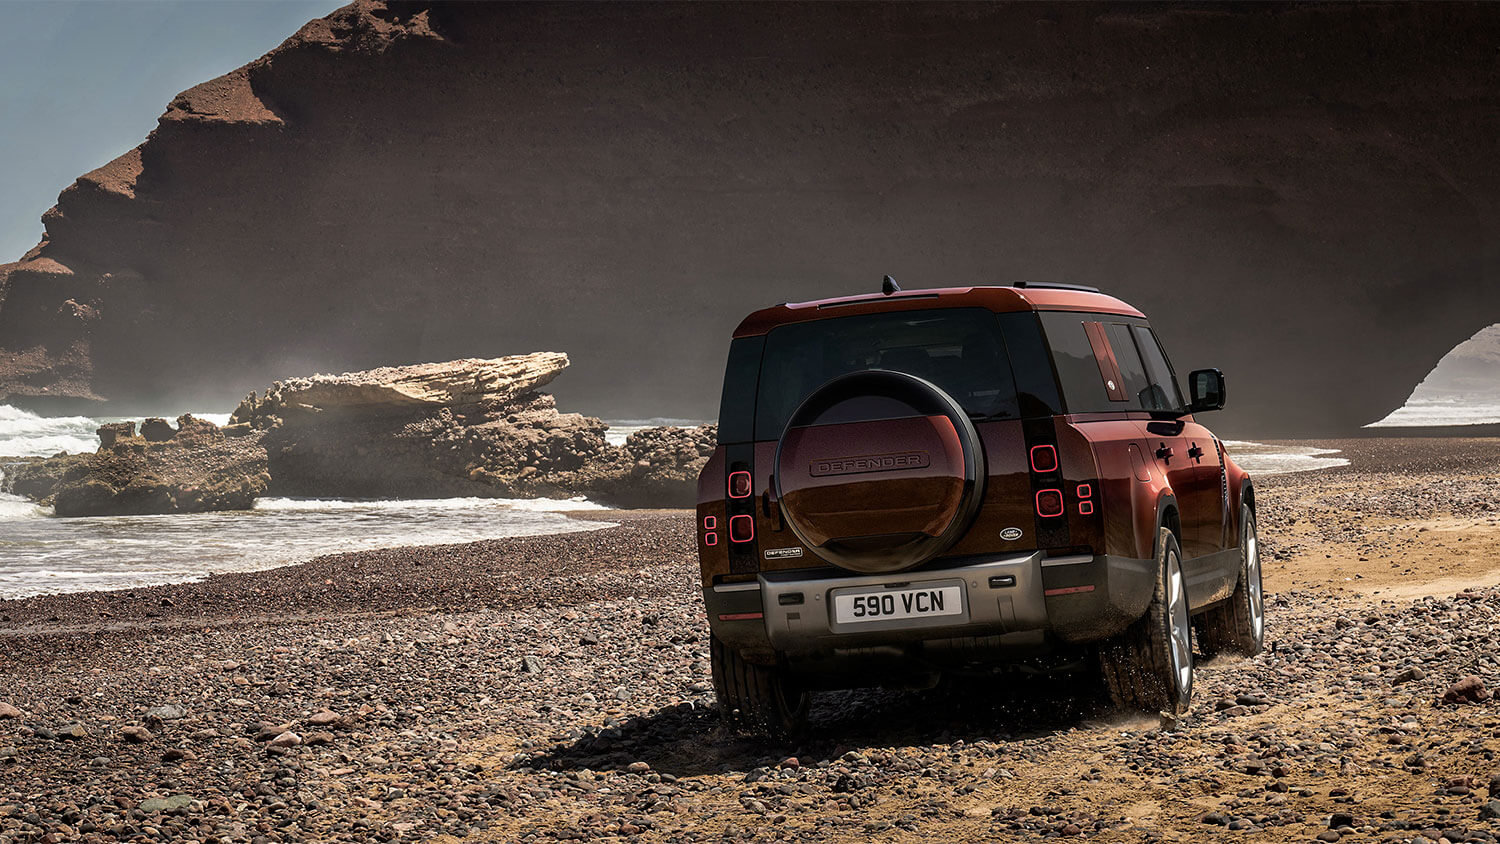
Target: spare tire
[(879, 471)]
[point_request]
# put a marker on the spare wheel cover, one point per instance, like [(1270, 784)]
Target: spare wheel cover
[(879, 471)]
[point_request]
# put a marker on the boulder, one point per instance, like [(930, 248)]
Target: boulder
[(156, 430), (112, 432), (189, 469)]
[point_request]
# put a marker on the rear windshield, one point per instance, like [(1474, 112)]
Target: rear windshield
[(961, 350)]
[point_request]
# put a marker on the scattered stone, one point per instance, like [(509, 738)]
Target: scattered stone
[(73, 732), (166, 712), (1468, 690), (8, 712), (136, 734), (1409, 674), (286, 739), (165, 804), (324, 718)]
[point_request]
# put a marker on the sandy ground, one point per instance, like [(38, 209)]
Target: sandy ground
[(557, 688)]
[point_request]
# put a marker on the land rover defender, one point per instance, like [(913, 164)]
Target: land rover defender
[(913, 483)]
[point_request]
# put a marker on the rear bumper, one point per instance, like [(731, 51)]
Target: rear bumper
[(1014, 606)]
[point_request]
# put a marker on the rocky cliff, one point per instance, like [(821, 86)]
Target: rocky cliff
[(1302, 194)]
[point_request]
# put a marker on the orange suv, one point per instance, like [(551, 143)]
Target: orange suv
[(963, 480)]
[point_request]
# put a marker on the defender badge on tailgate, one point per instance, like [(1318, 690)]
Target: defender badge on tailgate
[(870, 463), (782, 553)]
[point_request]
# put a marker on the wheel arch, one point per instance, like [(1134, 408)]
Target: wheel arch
[(1167, 516)]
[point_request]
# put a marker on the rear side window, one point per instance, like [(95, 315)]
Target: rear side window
[(1145, 377), (1078, 372), (1138, 388), (960, 350), (737, 404), (1163, 383)]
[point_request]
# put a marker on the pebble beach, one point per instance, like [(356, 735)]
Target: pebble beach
[(557, 688)]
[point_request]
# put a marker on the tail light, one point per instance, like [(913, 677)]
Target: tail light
[(739, 485), (1043, 459), (1049, 503), (1085, 499), (741, 528), (710, 530)]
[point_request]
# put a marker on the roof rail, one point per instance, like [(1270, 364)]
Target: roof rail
[(1053, 285)]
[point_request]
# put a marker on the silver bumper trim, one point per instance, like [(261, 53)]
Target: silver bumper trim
[(1001, 595)]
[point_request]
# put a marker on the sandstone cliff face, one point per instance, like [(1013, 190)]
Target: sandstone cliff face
[(1300, 194)]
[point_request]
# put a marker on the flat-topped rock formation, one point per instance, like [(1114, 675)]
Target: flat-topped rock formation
[(399, 389), (1301, 194)]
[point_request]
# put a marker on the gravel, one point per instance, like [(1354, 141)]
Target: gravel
[(557, 688)]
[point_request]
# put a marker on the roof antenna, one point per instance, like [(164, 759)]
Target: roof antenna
[(889, 286)]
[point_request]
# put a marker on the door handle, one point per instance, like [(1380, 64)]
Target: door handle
[(1164, 453), (1195, 452)]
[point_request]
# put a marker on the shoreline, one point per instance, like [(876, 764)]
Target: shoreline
[(1366, 455)]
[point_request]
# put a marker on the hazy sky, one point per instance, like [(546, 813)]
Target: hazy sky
[(82, 81)]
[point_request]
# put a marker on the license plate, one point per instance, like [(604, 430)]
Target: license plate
[(854, 607)]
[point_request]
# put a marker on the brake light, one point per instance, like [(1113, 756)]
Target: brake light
[(1085, 505), (739, 485), (1049, 503), (1043, 459), (741, 528)]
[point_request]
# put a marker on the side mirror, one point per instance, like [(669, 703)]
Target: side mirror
[(1206, 386)]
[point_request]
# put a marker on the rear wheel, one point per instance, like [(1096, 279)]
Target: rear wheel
[(1239, 624), (756, 698), (1149, 667)]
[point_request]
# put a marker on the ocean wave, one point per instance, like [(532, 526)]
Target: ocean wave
[(1440, 412), (14, 507), (1264, 459), (25, 434), (327, 505)]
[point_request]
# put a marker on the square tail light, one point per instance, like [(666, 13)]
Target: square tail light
[(1043, 459), (739, 484), (1049, 503), (741, 528)]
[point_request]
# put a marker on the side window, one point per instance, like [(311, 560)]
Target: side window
[(1036, 391), (1078, 371), (737, 402), (1164, 385), (1138, 390)]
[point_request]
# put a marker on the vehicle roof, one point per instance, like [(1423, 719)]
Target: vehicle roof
[(997, 299)]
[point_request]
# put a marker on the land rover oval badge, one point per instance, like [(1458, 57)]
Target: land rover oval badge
[(1010, 533)]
